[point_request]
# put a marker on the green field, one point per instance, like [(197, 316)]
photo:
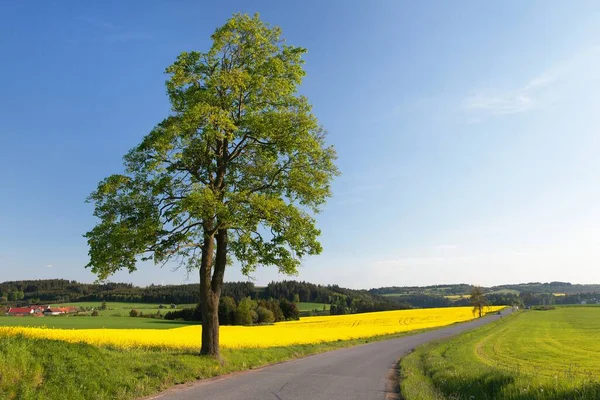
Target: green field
[(531, 355), (119, 309), (312, 306), (115, 316), (504, 291), (87, 322)]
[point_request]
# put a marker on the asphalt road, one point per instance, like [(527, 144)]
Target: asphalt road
[(364, 372)]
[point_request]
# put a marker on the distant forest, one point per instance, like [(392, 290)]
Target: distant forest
[(463, 288), (342, 300)]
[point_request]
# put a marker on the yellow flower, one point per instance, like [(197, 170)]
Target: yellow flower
[(306, 331)]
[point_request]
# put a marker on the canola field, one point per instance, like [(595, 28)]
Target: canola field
[(308, 330)]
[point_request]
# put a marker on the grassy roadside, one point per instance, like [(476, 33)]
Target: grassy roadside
[(51, 369), (434, 372), (88, 322), (543, 355)]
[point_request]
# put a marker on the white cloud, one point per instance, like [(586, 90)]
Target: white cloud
[(534, 94), (49, 266), (445, 247), (489, 103), (97, 22), (111, 32)]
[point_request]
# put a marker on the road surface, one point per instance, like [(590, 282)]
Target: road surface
[(364, 372)]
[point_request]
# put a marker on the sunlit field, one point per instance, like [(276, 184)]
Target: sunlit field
[(308, 330), (552, 354)]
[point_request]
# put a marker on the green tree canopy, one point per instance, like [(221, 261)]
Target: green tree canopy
[(237, 171), (478, 300)]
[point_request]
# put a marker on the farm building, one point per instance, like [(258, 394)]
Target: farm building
[(59, 310), (31, 310), (20, 311)]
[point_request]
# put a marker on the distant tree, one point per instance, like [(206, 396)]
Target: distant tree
[(274, 307), (338, 309), (478, 300), (296, 298), (103, 306), (227, 308), (265, 316), (243, 313), (95, 313), (289, 310), (133, 313), (241, 154)]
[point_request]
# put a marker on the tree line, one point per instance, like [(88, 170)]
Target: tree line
[(243, 312), (342, 300), (63, 291)]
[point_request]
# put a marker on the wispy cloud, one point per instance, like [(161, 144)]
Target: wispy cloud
[(97, 22), (110, 32), (492, 102), (49, 266), (534, 94), (445, 247)]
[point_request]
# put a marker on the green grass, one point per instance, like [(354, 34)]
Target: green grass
[(529, 355), (87, 322), (302, 306), (504, 291), (115, 316), (32, 369), (114, 309)]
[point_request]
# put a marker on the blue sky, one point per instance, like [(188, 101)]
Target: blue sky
[(467, 133)]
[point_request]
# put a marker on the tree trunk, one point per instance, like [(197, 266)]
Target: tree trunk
[(210, 291), (210, 326), (209, 303)]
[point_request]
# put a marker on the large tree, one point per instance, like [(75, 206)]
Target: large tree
[(237, 171)]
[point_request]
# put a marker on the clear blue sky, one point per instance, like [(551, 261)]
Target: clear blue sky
[(467, 132)]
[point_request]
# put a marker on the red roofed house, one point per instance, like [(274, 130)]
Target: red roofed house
[(20, 311), (59, 310), (39, 309)]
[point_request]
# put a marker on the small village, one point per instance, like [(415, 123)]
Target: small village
[(40, 311)]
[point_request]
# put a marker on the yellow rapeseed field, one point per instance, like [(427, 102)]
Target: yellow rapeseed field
[(306, 331)]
